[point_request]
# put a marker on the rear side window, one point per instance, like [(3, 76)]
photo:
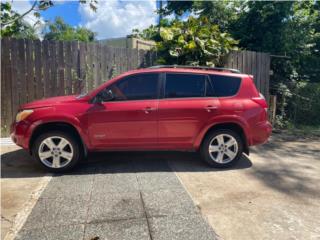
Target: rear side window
[(185, 85), (224, 86)]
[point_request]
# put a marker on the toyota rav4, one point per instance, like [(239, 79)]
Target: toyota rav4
[(218, 112)]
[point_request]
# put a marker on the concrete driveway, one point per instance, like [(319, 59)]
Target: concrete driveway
[(273, 194)]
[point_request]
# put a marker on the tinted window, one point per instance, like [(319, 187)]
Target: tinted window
[(136, 87), (224, 86), (185, 85)]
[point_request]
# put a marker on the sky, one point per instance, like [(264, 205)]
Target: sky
[(113, 18)]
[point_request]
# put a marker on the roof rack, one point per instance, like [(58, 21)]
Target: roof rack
[(197, 67)]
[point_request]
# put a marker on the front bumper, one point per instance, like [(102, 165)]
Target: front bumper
[(19, 134)]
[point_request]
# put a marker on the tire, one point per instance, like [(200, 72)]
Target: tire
[(230, 154), (54, 145)]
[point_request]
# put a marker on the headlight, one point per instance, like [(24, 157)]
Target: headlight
[(23, 115)]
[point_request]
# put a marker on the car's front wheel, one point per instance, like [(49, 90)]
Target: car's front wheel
[(222, 148), (56, 151)]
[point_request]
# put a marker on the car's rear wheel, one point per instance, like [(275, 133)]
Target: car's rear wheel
[(56, 151), (222, 148)]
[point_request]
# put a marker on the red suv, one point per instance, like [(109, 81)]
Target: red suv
[(218, 112)]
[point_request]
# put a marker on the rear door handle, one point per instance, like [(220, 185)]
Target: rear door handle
[(148, 109), (211, 108)]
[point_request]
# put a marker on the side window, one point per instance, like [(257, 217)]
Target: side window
[(185, 85), (209, 88), (224, 86), (135, 87)]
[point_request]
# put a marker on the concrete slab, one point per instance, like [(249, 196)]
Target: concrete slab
[(71, 232), (176, 227), (115, 207), (115, 183), (111, 201), (157, 180), (69, 186), (49, 212), (134, 229), (168, 202)]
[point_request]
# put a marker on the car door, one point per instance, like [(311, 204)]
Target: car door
[(185, 109), (129, 119)]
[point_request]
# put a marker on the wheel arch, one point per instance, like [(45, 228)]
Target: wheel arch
[(57, 126), (227, 125)]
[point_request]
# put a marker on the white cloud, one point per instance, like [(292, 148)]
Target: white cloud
[(22, 7), (117, 18)]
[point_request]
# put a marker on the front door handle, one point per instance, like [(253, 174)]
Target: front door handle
[(211, 108), (148, 110)]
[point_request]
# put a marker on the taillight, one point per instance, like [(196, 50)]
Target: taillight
[(261, 101)]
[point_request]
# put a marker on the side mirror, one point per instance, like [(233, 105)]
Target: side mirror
[(104, 96)]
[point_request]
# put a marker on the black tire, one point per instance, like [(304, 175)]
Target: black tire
[(77, 152), (204, 150)]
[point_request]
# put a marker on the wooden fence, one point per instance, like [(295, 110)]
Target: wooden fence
[(38, 69)]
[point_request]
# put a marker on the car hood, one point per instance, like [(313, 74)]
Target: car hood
[(48, 102)]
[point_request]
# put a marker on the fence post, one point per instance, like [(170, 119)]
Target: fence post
[(272, 108)]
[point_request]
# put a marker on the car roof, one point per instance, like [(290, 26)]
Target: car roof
[(188, 70)]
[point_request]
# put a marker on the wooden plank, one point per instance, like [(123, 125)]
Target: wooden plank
[(53, 69), (68, 68), (263, 74), (141, 58), (272, 108), (109, 52), (267, 80), (61, 66), (39, 88), (258, 67), (82, 67), (6, 87), (234, 60), (14, 74), (4, 110), (240, 61), (254, 65), (99, 60), (248, 62), (22, 81), (30, 70), (46, 68), (103, 63), (135, 58), (95, 64), (263, 78), (90, 66), (75, 70), (116, 62)]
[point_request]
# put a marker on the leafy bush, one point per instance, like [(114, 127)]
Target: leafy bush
[(305, 104), (193, 42)]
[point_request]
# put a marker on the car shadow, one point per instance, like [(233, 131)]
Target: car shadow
[(19, 164)]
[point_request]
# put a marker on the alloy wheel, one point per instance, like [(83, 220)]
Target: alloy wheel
[(223, 148), (55, 152)]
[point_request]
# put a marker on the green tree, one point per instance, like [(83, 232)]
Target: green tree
[(195, 42), (17, 29), (41, 5), (59, 30), (221, 13)]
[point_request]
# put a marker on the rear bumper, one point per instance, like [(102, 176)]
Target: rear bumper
[(260, 133), (18, 134)]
